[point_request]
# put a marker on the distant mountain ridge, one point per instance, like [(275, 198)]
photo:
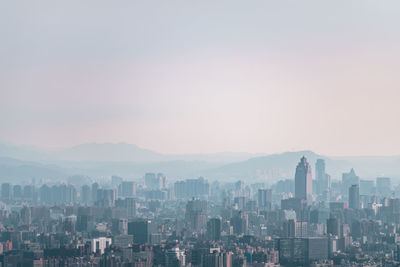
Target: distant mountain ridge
[(113, 152), (108, 152), (132, 162), (277, 165)]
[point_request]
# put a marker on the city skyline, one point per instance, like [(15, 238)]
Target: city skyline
[(160, 222), (199, 133)]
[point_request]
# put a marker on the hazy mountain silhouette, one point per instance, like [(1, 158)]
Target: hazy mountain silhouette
[(12, 170), (111, 152), (131, 161), (276, 166), (23, 152), (108, 152)]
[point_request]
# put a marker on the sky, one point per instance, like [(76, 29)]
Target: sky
[(202, 76)]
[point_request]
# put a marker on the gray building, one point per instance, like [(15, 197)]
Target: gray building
[(354, 197), (303, 180), (348, 179), (302, 251), (383, 186)]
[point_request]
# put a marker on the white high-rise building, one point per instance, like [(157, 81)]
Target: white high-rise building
[(175, 257), (99, 244)]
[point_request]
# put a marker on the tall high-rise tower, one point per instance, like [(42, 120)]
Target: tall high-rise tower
[(320, 175), (303, 180), (348, 179), (354, 197), (323, 181)]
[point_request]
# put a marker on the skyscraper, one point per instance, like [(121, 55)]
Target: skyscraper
[(152, 181), (322, 178), (95, 187), (127, 189), (348, 179), (383, 186), (85, 194), (164, 181), (141, 231), (354, 197), (303, 180), (333, 226), (6, 192), (240, 223), (45, 194), (367, 187), (28, 192), (289, 228), (264, 198), (302, 251), (196, 214), (17, 192), (214, 229), (320, 174), (131, 207), (106, 197)]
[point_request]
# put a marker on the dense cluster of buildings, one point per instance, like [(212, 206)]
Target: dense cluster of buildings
[(294, 222)]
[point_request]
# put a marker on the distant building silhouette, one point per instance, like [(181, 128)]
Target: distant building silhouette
[(348, 179), (127, 189), (214, 229), (196, 214), (323, 180), (264, 198), (383, 186), (354, 197), (303, 180), (141, 231)]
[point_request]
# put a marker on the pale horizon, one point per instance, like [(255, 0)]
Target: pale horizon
[(60, 148), (205, 77)]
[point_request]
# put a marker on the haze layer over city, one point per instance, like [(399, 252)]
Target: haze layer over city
[(199, 133)]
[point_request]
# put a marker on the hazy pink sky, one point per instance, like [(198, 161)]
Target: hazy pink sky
[(202, 76)]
